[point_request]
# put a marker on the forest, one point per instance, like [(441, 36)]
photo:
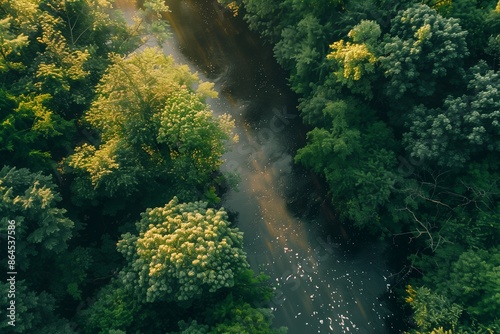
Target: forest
[(110, 156), (109, 181), (402, 103)]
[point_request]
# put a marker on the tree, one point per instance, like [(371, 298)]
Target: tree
[(245, 319), (432, 311), (422, 48), (301, 50), (232, 316), (469, 280), (69, 274), (410, 62), (10, 46), (41, 227), (351, 154), (466, 126), (59, 65), (35, 312), (154, 130), (182, 251), (475, 17), (475, 284), (29, 130), (192, 328), (354, 61), (52, 53), (114, 308)]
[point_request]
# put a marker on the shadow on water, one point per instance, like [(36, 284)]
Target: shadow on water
[(291, 234)]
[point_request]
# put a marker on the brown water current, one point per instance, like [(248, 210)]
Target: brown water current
[(323, 283)]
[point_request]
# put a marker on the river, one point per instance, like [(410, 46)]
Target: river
[(324, 283)]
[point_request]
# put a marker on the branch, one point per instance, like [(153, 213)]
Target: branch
[(426, 230)]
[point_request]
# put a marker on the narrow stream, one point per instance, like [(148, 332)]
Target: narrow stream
[(323, 283)]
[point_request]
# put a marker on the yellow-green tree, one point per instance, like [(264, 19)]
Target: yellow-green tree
[(31, 201), (355, 62), (422, 48), (52, 53), (154, 130), (182, 251)]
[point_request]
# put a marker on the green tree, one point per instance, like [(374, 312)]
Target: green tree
[(52, 53), (355, 61), (29, 130), (245, 319), (69, 275), (10, 46), (183, 251), (232, 316), (475, 17), (35, 312), (154, 130), (301, 50), (114, 308), (411, 63), (351, 153), (31, 200), (432, 311), (467, 126), (475, 283), (422, 48), (192, 328)]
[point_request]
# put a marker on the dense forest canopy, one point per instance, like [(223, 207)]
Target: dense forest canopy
[(110, 179), (402, 101), (110, 161)]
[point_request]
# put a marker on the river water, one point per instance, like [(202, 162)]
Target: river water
[(324, 283)]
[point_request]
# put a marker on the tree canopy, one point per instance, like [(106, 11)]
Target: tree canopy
[(183, 251), (154, 130), (30, 199), (111, 161)]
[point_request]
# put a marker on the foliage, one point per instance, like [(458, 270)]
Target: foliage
[(432, 310), (379, 81), (184, 253), (151, 134), (350, 154), (235, 317), (72, 273), (183, 250), (422, 48), (474, 282), (301, 51), (10, 46), (425, 72), (113, 309), (192, 328), (152, 12), (35, 312), (153, 130), (52, 54), (245, 319), (30, 199), (475, 17), (28, 128), (356, 60)]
